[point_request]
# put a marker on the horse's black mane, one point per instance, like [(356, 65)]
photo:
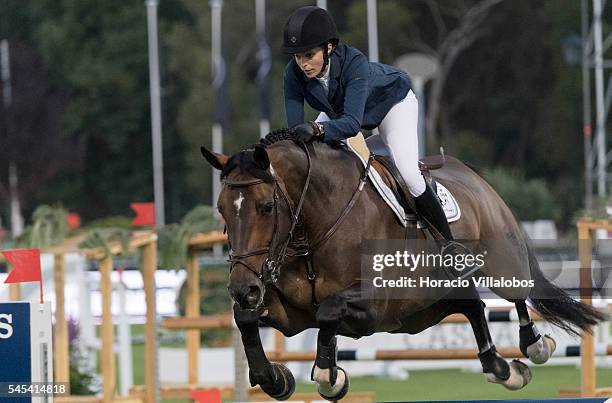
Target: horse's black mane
[(275, 136), (246, 162)]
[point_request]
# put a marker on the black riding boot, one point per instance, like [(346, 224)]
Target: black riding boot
[(428, 205)]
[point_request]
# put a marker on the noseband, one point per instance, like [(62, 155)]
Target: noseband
[(270, 271)]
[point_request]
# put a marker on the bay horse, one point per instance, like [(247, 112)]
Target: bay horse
[(296, 216)]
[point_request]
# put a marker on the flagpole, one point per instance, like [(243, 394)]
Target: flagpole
[(264, 62), (218, 78), (372, 31), (5, 76), (156, 127)]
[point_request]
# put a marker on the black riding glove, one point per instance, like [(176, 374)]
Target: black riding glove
[(308, 131)]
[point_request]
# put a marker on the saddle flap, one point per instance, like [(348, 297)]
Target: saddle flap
[(388, 182), (384, 165)]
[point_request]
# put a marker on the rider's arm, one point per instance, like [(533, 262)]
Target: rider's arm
[(348, 124), (294, 99)]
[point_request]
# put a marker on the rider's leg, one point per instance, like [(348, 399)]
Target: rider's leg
[(428, 205), (399, 131)]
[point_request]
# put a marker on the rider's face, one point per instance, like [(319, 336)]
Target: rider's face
[(310, 61)]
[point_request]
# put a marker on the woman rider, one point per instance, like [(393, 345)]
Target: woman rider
[(351, 94)]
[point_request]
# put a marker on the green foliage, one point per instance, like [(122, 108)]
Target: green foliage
[(111, 222), (529, 199), (173, 239), (49, 227), (510, 100), (601, 209), (470, 149), (82, 381), (97, 54), (101, 239), (172, 243)]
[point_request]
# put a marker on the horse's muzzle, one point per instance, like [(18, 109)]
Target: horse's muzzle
[(247, 297)]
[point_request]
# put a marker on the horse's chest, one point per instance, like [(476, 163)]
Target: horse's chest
[(297, 292)]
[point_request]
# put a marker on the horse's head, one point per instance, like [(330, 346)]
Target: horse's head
[(257, 214)]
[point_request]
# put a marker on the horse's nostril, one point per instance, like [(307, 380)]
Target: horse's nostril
[(252, 297), (253, 289), (247, 296)]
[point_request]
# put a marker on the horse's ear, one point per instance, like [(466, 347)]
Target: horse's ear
[(261, 157), (216, 160)]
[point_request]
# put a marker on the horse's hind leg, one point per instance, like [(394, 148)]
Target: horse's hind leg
[(513, 375), (533, 345), (275, 379)]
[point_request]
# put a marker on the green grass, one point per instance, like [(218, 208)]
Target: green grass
[(448, 384), (435, 384), (462, 385)]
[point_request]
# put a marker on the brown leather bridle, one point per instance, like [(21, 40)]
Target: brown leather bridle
[(277, 251)]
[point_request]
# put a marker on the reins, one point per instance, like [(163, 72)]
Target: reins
[(270, 270)]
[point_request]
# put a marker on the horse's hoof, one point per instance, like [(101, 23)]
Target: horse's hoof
[(286, 377), (540, 351), (520, 376), (339, 390)]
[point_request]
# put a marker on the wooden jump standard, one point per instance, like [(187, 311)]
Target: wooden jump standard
[(586, 228)]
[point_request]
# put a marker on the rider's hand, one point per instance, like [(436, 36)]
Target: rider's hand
[(306, 132)]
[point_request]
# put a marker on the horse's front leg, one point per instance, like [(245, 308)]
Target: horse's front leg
[(275, 379), (333, 382)]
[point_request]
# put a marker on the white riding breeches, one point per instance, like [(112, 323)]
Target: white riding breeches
[(399, 131)]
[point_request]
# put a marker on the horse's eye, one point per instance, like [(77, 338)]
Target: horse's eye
[(266, 208)]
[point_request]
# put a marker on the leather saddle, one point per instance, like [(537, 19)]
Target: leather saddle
[(383, 163)]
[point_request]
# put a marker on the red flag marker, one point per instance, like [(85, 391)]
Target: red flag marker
[(145, 213), (73, 220), (206, 395), (26, 267)]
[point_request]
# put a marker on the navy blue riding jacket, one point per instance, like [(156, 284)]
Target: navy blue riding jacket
[(361, 93)]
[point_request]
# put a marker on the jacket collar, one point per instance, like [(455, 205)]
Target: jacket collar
[(317, 90), (334, 73)]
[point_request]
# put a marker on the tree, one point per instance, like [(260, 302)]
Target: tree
[(468, 19), (33, 145), (98, 53)]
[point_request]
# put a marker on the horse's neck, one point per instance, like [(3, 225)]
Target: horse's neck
[(334, 177)]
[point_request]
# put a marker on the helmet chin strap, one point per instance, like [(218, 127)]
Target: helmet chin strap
[(325, 61)]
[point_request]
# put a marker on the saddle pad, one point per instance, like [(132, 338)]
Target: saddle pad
[(358, 146)]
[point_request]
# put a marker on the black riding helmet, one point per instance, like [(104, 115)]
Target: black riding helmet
[(307, 28)]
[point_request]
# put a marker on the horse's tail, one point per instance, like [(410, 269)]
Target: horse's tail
[(556, 306)]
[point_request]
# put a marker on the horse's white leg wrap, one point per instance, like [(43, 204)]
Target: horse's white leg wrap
[(520, 376), (540, 351), (321, 377)]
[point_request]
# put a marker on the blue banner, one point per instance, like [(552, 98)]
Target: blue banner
[(15, 348)]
